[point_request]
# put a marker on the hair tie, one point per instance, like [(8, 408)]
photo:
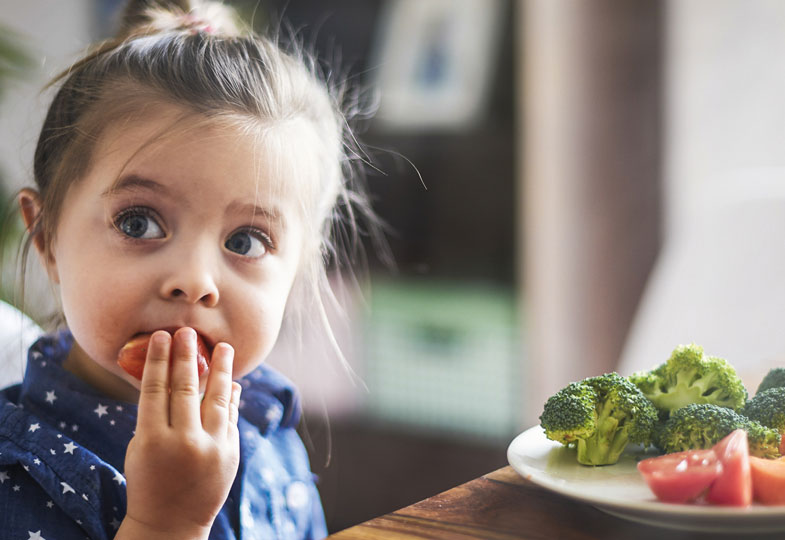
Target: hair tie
[(195, 24), (204, 18)]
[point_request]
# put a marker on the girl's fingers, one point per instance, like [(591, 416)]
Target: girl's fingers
[(184, 400), (218, 395), (154, 393), (234, 407)]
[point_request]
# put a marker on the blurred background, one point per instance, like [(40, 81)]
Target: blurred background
[(571, 188)]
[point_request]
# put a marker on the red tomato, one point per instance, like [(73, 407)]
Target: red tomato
[(134, 354), (768, 480), (734, 485), (681, 476)]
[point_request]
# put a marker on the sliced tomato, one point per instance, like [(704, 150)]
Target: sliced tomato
[(734, 486), (133, 355), (768, 480), (681, 476)]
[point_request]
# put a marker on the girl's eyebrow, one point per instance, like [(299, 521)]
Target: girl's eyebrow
[(134, 182), (272, 214)]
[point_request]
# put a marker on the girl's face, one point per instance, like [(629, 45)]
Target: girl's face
[(187, 229)]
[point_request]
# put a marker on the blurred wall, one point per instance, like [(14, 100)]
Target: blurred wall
[(590, 155), (725, 84), (53, 33), (719, 280)]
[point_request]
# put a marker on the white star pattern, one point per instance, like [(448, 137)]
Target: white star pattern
[(74, 428), (111, 422), (3, 477), (37, 461), (49, 504), (84, 496), (119, 478), (51, 397), (52, 451), (268, 475), (69, 448), (115, 524), (16, 487), (25, 467), (34, 427), (67, 488), (297, 495), (273, 414), (35, 535), (100, 410), (246, 516), (62, 425)]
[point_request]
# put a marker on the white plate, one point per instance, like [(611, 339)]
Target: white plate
[(621, 491)]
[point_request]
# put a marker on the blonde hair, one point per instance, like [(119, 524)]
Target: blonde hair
[(197, 55)]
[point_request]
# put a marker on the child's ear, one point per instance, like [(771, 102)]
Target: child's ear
[(30, 207)]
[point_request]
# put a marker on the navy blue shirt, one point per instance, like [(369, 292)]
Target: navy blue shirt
[(62, 450)]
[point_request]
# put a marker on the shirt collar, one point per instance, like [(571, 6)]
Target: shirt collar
[(269, 400)]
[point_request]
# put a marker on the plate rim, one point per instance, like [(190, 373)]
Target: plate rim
[(681, 516)]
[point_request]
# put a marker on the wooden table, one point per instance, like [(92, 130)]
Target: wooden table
[(502, 505)]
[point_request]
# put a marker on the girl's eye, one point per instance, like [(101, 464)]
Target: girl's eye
[(252, 244), (138, 223)]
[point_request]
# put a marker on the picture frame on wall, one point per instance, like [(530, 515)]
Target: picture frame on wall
[(433, 62)]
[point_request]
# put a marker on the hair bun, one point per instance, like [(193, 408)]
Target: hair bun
[(155, 16)]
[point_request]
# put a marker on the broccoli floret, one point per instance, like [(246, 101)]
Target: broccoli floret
[(689, 376), (775, 378), (768, 408), (702, 425), (764, 441), (599, 416)]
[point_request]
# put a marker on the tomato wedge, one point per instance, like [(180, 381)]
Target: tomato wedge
[(681, 476), (734, 486), (133, 355), (768, 480)]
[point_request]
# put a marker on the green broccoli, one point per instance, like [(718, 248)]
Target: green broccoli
[(689, 376), (599, 416), (702, 425), (768, 408), (775, 378)]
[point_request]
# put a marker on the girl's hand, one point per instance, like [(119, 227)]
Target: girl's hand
[(183, 458)]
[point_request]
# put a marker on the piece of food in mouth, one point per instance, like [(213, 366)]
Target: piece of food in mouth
[(134, 353)]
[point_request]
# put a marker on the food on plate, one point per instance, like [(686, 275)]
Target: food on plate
[(719, 475), (768, 480), (734, 486), (775, 378), (697, 401), (682, 476), (134, 353), (599, 416), (702, 425), (768, 408), (689, 376)]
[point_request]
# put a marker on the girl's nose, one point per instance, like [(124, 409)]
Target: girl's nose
[(192, 282)]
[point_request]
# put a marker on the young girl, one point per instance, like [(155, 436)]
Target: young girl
[(186, 177)]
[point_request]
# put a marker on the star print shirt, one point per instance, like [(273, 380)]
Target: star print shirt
[(62, 449)]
